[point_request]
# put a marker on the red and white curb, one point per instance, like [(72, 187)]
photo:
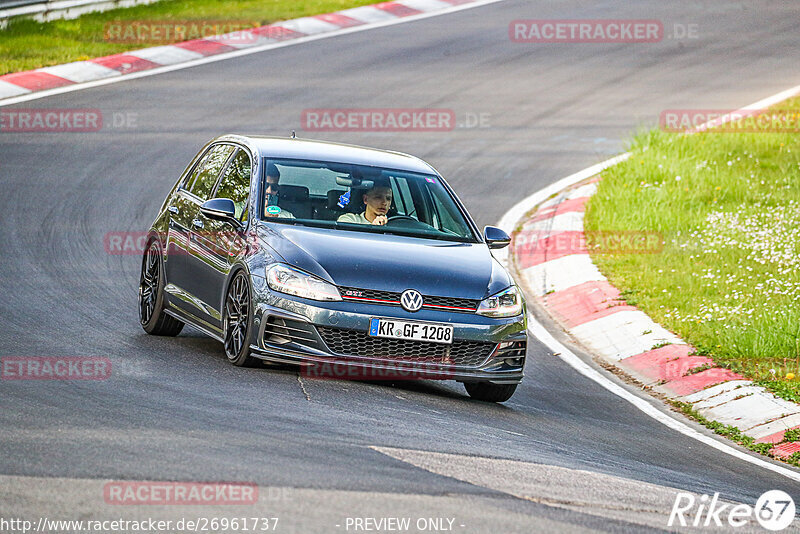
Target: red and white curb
[(19, 84), (565, 283)]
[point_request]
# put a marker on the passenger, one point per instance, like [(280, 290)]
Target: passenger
[(272, 194), (377, 200)]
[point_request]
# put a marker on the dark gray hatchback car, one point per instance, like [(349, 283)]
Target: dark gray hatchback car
[(347, 261)]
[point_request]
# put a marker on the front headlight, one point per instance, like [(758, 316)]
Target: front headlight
[(288, 280), (507, 303)]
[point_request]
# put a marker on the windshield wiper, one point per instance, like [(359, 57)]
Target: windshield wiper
[(437, 237)]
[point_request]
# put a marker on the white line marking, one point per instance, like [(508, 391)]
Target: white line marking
[(713, 391), (80, 71), (513, 216), (165, 55), (10, 89), (239, 53), (561, 274), (570, 221), (425, 5), (539, 331), (368, 14), (309, 25), (773, 427), (622, 335), (761, 104)]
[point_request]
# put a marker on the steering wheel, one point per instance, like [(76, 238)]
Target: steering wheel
[(406, 221), (400, 218)]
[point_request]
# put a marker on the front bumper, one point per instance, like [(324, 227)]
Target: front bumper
[(330, 340)]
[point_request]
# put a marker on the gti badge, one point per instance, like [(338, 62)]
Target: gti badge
[(411, 300)]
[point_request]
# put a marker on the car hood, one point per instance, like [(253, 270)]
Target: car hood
[(389, 262)]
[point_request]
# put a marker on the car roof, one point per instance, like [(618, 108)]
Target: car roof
[(309, 149)]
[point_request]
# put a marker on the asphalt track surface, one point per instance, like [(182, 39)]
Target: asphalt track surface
[(323, 451)]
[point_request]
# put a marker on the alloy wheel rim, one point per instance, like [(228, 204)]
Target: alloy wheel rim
[(237, 315), (148, 286)]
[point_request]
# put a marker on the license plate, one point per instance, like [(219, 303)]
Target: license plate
[(394, 329)]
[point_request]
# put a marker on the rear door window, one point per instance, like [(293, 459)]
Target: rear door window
[(235, 183)]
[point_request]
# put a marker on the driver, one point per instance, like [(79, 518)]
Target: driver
[(272, 194), (377, 200)]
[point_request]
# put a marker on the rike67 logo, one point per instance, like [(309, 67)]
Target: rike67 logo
[(774, 511)]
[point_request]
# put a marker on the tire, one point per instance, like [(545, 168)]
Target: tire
[(151, 296), (237, 322), (486, 391)]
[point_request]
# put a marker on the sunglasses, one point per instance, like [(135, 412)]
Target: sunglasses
[(273, 186)]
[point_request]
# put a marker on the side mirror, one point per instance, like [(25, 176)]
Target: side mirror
[(220, 209), (495, 237)]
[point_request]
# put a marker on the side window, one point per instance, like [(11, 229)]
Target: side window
[(318, 181), (235, 183), (403, 200), (187, 185), (206, 174), (444, 217)]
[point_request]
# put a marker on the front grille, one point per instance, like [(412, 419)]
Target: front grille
[(470, 304), (280, 331), (370, 294), (391, 298), (358, 344)]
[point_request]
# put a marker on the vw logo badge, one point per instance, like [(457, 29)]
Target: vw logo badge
[(411, 300)]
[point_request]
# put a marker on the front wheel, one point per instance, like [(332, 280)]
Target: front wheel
[(237, 322), (486, 391), (151, 296)]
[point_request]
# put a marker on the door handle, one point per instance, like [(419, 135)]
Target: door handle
[(198, 223), (173, 209)]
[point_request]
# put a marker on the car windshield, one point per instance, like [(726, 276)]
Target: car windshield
[(351, 197)]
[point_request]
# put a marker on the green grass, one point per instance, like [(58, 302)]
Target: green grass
[(735, 435), (728, 277), (793, 434), (26, 44)]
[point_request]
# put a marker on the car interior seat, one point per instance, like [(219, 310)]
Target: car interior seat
[(294, 198)]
